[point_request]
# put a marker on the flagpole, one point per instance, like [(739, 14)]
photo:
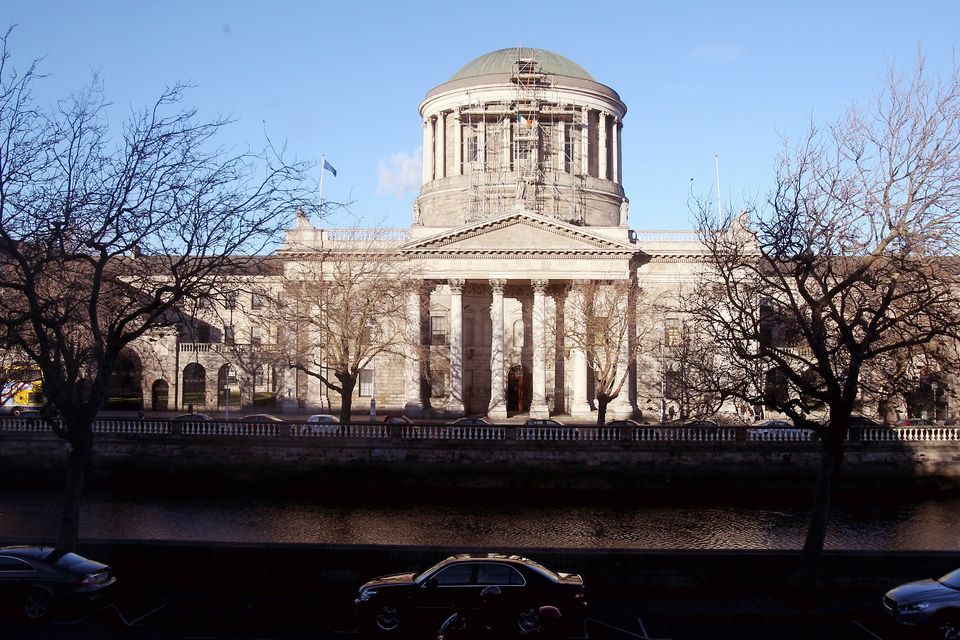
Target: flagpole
[(323, 164), (716, 160)]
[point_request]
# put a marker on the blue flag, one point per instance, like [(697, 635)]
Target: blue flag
[(329, 167)]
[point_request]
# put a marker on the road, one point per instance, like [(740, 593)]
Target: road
[(664, 617)]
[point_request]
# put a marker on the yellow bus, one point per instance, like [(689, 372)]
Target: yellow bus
[(21, 390)]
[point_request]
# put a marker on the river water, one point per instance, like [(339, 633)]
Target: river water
[(922, 524)]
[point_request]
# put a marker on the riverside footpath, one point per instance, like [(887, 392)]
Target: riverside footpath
[(168, 590)]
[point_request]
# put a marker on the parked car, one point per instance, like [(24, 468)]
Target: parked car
[(627, 422), (914, 422), (933, 605), (457, 428), (38, 578), (702, 424), (261, 417), (321, 423), (471, 422), (542, 422), (193, 417), (403, 601), (859, 422)]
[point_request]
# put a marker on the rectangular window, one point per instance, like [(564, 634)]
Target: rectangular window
[(256, 301), (203, 333), (672, 335), (229, 334), (256, 336), (473, 149), (230, 300), (438, 330), (569, 145), (366, 382)]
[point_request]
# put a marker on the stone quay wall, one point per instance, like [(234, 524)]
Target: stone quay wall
[(489, 464)]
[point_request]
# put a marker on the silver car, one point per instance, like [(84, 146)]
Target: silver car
[(933, 604)]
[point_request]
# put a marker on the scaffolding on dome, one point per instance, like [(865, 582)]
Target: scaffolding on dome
[(526, 152)]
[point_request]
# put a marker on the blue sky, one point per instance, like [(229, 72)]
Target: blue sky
[(345, 79)]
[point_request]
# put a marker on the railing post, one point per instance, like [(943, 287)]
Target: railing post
[(283, 430), (741, 434), (176, 428), (624, 433), (396, 431), (510, 432)]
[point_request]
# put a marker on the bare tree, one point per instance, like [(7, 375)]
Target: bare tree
[(347, 306), (104, 233), (603, 325), (850, 262)]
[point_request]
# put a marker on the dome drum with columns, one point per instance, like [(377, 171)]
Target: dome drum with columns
[(521, 129)]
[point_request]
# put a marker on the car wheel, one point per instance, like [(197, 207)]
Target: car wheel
[(528, 620), (387, 618), (36, 604), (947, 626), (16, 412)]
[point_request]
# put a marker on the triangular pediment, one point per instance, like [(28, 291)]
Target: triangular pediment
[(518, 232)]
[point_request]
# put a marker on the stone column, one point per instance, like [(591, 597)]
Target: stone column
[(506, 144), (413, 403), (602, 146), (441, 162), (561, 138), (457, 145), (455, 405), (482, 144), (621, 407), (538, 401), (616, 150), (580, 406), (498, 388), (585, 141), (427, 150)]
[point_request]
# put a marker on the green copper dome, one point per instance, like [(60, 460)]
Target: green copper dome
[(505, 61)]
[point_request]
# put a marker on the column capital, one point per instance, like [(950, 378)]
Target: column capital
[(456, 285), (498, 285), (540, 285)]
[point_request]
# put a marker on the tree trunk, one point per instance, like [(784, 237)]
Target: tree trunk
[(602, 401), (830, 459), (347, 385), (81, 451)]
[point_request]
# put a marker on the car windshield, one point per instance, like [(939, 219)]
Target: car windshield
[(420, 577), (951, 580), (68, 560)]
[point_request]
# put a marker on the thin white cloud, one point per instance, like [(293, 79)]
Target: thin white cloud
[(717, 52), (400, 173)]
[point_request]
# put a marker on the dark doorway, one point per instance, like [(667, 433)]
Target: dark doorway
[(123, 389), (519, 389), (194, 385), (160, 395)]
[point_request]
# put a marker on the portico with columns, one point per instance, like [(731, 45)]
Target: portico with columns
[(504, 351)]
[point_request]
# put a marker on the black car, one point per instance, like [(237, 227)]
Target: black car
[(931, 605), (36, 578), (407, 600)]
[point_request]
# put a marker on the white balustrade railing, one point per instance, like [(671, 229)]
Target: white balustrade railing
[(779, 435), (145, 427), (551, 434), (427, 432), (214, 428), (910, 434)]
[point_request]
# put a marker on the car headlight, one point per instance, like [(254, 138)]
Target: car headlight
[(914, 606), (366, 594)]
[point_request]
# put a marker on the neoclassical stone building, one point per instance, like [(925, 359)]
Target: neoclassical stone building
[(521, 195)]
